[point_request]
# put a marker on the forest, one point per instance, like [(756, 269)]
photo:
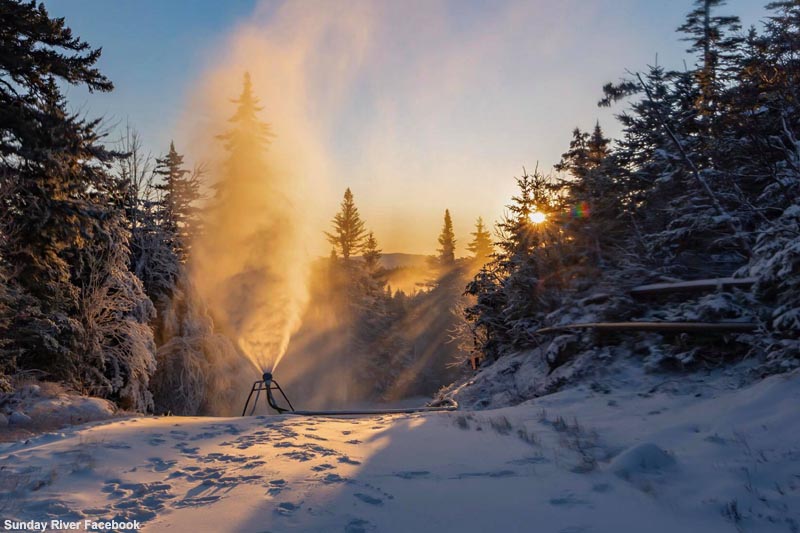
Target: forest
[(151, 283)]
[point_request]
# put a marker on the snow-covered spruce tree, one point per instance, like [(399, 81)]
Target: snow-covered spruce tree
[(177, 208), (688, 210), (41, 219), (765, 152), (591, 200), (715, 39), (520, 285), (118, 348), (79, 314), (153, 258)]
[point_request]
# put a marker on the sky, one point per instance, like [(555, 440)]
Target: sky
[(415, 105)]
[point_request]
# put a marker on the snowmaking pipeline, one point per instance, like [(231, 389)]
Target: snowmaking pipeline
[(267, 384)]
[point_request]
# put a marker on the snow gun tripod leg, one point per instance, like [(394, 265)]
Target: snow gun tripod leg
[(258, 386), (271, 398)]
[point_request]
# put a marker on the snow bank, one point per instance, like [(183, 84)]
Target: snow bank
[(34, 408)]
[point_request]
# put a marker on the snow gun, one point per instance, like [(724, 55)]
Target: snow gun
[(267, 384)]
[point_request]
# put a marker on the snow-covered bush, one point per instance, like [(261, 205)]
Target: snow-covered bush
[(119, 351), (199, 370), (777, 269)]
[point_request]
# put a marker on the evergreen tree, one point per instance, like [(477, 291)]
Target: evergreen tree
[(248, 137), (78, 311), (62, 214), (153, 258), (590, 200), (715, 40), (447, 242), (180, 190), (348, 232), (515, 290), (34, 50), (481, 246), (372, 255)]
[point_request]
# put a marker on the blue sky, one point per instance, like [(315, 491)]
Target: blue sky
[(416, 105)]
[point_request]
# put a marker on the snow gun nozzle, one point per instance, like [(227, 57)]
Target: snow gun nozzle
[(267, 384)]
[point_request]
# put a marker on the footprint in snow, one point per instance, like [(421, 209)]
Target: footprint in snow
[(287, 508), (300, 456), (276, 487), (568, 500), (136, 501), (156, 440), (496, 474), (185, 449), (54, 509), (322, 467), (413, 474), (160, 465), (358, 525), (116, 446), (253, 464), (534, 460), (196, 501), (346, 460), (333, 478), (366, 498)]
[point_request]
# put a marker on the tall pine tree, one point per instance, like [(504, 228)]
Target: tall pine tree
[(347, 236), (447, 242), (180, 192)]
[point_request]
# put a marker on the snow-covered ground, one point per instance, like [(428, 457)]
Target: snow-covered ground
[(680, 456)]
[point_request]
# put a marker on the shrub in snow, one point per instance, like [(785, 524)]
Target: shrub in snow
[(18, 418)]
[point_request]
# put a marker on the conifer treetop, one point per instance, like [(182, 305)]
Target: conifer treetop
[(348, 232)]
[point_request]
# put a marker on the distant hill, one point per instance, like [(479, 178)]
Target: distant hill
[(406, 272)]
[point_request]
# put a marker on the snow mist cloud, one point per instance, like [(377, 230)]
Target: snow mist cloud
[(367, 96), (251, 262)]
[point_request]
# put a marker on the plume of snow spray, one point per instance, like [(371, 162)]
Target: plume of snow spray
[(251, 262)]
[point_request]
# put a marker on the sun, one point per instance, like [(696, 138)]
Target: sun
[(537, 217)]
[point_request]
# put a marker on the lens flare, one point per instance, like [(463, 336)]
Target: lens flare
[(537, 217)]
